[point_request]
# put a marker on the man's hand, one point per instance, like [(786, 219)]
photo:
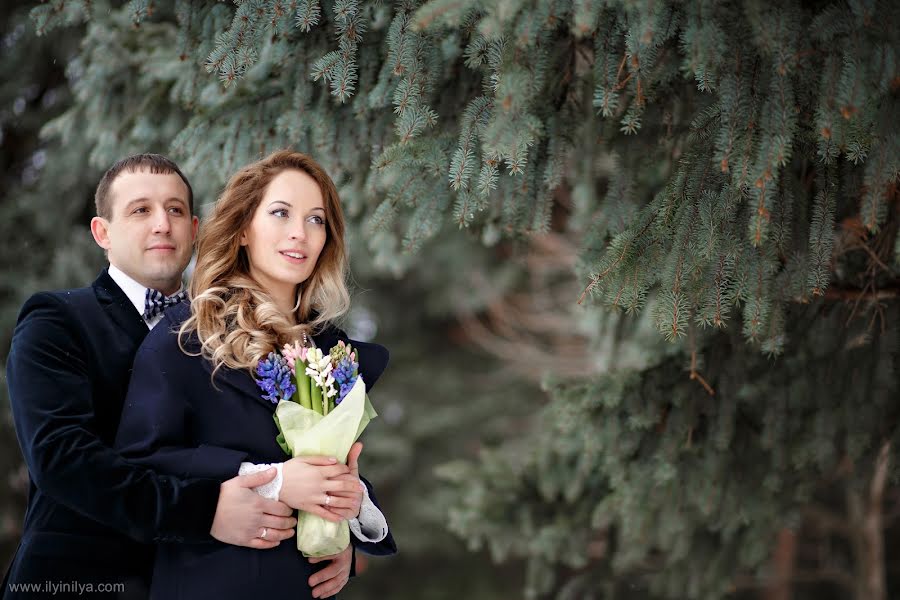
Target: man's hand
[(243, 516), (309, 481), (346, 504), (332, 579)]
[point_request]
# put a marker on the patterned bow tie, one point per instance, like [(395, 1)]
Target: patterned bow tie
[(155, 302)]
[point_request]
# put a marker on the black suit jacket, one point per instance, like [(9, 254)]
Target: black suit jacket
[(68, 372), (174, 403)]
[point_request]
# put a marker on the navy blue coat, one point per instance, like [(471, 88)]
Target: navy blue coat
[(92, 517), (172, 404)]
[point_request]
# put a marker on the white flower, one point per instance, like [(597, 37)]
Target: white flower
[(329, 387), (319, 367)]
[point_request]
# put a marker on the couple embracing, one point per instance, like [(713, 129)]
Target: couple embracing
[(153, 460)]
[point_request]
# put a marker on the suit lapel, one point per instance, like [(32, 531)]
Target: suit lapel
[(119, 308)]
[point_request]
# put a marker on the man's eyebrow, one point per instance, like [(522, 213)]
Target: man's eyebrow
[(131, 203), (143, 200)]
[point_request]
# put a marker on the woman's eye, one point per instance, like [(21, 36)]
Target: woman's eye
[(279, 212), (317, 220)]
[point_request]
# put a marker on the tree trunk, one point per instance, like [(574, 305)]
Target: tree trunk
[(867, 517), (779, 588)]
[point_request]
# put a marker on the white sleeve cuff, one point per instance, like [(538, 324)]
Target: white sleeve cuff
[(370, 525), (267, 490)]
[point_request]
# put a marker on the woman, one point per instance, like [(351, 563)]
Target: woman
[(270, 270)]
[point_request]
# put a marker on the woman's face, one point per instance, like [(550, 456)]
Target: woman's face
[(287, 234)]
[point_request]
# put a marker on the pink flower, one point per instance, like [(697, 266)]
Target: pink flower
[(292, 352)]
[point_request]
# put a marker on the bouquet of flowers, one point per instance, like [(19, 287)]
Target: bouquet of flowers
[(322, 409)]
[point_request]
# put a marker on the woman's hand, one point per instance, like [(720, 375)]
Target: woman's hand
[(346, 505), (310, 480)]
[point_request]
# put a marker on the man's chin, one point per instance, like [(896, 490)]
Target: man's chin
[(170, 275)]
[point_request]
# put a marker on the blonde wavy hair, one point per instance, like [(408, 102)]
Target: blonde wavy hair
[(235, 319)]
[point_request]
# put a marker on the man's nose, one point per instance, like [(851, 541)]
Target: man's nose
[(161, 223)]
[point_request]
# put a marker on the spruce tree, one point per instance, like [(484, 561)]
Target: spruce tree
[(726, 176), (35, 211)]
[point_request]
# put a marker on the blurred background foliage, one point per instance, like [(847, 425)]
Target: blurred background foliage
[(636, 263)]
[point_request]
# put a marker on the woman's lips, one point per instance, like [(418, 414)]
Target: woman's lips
[(294, 259)]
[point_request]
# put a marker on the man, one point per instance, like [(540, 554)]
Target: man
[(68, 372)]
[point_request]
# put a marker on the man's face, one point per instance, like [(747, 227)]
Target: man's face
[(151, 232)]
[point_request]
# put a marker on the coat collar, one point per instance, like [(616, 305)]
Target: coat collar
[(120, 309)]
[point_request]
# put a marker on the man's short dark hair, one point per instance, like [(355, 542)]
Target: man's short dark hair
[(155, 163)]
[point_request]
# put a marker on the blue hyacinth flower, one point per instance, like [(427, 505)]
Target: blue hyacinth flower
[(345, 376), (274, 378)]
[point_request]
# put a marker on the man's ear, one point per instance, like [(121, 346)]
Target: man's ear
[(195, 225), (100, 231)]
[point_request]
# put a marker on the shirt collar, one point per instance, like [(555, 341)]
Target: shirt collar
[(136, 292)]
